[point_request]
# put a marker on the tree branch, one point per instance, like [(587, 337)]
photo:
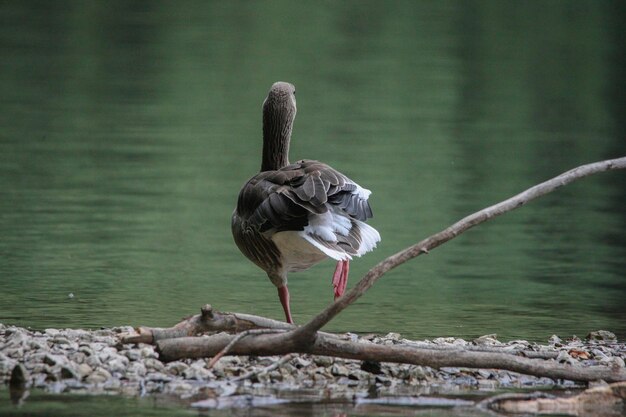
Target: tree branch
[(307, 331), (195, 347)]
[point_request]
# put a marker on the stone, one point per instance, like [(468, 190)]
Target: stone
[(555, 340), (158, 377), (68, 373), (602, 335), (133, 354), (118, 363), (136, 369), (180, 388), (198, 373), (98, 376), (93, 361), (154, 364), (51, 332), (52, 360), (564, 357), (323, 360), (371, 367), (84, 370), (176, 368), (19, 376), (147, 351), (339, 370), (488, 339)]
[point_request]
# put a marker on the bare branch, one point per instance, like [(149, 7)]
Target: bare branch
[(196, 347), (235, 339), (308, 330), (209, 320)]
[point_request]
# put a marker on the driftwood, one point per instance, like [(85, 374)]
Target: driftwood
[(180, 341), (267, 343), (605, 401)]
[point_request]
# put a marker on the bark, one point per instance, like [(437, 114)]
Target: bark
[(328, 345), (175, 343), (208, 320)]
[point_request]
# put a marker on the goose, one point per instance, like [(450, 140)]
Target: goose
[(290, 217)]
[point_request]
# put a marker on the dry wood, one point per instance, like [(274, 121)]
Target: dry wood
[(194, 347), (208, 320)]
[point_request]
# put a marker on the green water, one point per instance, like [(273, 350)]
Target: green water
[(39, 404), (127, 129)]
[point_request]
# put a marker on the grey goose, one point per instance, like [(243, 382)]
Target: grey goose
[(289, 217)]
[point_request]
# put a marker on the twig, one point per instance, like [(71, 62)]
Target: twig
[(307, 331), (265, 370), (236, 339)]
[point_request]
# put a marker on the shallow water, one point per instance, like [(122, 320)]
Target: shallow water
[(128, 128), (42, 404)]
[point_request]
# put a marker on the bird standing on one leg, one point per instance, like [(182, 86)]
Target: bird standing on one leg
[(291, 216)]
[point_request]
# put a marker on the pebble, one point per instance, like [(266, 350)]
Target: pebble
[(81, 361)]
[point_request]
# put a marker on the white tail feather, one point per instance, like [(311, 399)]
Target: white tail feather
[(370, 237)]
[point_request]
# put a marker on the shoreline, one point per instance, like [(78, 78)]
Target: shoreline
[(95, 362)]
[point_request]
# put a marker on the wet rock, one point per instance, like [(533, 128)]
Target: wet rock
[(487, 340), (19, 376), (179, 388), (158, 377)]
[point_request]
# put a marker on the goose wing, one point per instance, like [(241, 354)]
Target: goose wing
[(282, 200)]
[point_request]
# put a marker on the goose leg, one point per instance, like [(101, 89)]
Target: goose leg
[(283, 295), (340, 278)]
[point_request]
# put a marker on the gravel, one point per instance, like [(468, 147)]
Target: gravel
[(95, 362)]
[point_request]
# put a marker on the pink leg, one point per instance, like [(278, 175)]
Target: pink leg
[(283, 295), (340, 278), (344, 277), (337, 279)]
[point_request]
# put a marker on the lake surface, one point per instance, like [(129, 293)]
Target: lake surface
[(127, 129)]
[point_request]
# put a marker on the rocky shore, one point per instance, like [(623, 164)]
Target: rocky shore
[(95, 362)]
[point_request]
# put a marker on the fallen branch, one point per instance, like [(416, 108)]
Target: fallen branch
[(207, 321), (195, 347)]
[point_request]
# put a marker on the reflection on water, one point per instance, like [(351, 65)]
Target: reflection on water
[(68, 405), (128, 128)]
